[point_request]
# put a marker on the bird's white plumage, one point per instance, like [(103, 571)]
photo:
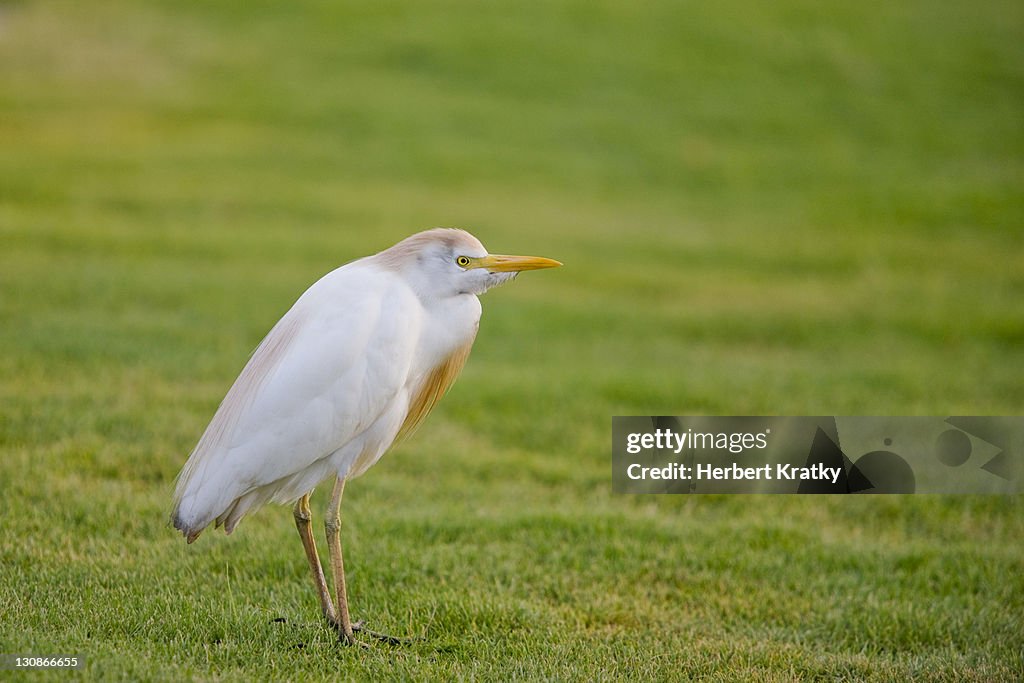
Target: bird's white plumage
[(353, 366), (330, 387)]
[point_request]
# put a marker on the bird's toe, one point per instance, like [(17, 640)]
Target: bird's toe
[(360, 627)]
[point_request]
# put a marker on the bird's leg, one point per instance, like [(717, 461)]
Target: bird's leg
[(343, 623), (332, 526), (302, 523)]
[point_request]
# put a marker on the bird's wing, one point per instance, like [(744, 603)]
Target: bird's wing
[(327, 371)]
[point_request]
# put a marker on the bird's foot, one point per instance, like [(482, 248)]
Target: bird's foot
[(350, 639), (360, 627)]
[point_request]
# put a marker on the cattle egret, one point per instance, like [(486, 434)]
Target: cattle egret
[(354, 366)]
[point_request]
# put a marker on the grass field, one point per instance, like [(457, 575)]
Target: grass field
[(780, 208)]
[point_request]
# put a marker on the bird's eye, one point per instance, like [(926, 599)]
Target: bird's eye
[(462, 261)]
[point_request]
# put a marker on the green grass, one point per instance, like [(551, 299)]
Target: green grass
[(763, 208)]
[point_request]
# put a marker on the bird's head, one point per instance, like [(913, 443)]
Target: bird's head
[(447, 262)]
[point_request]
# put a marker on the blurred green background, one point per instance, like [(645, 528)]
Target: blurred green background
[(764, 208)]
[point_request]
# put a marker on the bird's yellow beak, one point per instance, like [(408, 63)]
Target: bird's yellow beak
[(503, 264)]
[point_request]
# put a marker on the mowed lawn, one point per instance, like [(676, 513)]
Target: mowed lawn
[(789, 208)]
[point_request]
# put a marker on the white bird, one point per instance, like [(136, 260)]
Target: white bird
[(354, 366)]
